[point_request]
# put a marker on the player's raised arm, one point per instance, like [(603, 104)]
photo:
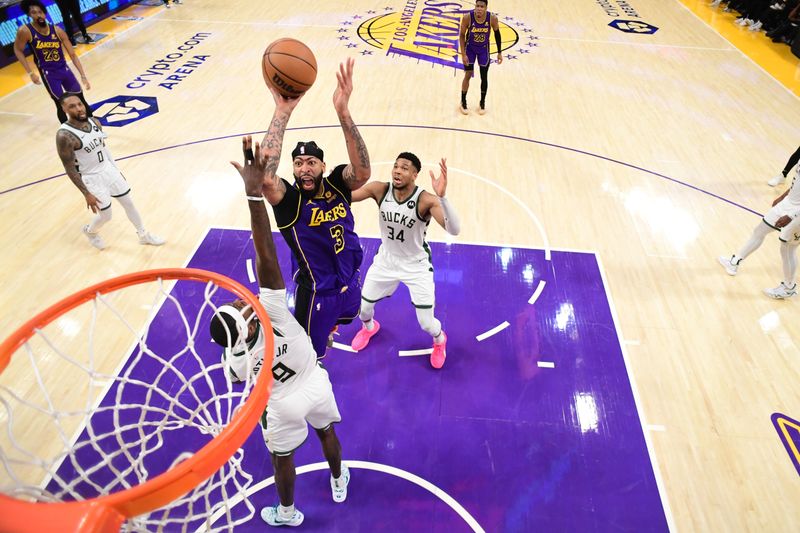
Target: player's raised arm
[(440, 208), (357, 173), (273, 187), (253, 172)]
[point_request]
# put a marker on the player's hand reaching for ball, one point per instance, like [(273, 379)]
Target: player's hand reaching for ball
[(440, 184), (284, 103)]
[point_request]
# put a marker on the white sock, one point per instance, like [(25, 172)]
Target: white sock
[(759, 233), (789, 261), (99, 221), (439, 339), (285, 513), (133, 213), (369, 324)]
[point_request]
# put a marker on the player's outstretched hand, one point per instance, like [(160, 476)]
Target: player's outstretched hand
[(440, 184), (284, 103), (344, 86), (253, 171)]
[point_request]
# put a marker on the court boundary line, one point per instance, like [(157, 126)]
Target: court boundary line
[(661, 488), (753, 61)]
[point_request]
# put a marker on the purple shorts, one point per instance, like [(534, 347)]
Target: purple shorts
[(481, 54), (57, 81), (320, 313)]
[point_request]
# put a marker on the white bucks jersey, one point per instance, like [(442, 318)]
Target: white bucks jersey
[(402, 229), (92, 158), (294, 358)]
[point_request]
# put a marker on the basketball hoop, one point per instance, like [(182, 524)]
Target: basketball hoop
[(159, 404)]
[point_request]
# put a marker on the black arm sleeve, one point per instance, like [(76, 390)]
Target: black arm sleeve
[(288, 208), (497, 40)]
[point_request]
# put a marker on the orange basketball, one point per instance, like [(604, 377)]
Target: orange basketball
[(289, 66)]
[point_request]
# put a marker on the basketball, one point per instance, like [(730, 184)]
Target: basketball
[(289, 66)]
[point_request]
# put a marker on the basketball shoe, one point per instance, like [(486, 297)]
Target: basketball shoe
[(271, 516), (782, 292), (439, 353), (730, 267), (339, 486), (362, 338), (482, 109), (463, 108), (94, 238), (149, 238), (777, 180)]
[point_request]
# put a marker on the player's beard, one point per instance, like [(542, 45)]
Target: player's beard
[(306, 193), (41, 21)]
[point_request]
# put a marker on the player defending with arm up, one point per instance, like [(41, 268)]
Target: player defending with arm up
[(314, 216), (301, 393), (404, 256)]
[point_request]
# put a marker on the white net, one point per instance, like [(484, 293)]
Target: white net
[(119, 390)]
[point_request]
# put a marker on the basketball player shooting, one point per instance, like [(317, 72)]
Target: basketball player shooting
[(301, 393), (314, 216), (404, 256)]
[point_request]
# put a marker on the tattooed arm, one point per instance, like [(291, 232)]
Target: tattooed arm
[(67, 143), (358, 171), (274, 188)]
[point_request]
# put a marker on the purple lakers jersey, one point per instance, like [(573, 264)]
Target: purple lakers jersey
[(326, 252), (48, 53), (478, 32)]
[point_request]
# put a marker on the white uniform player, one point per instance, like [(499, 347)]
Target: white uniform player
[(97, 168), (81, 144), (404, 256), (785, 218), (301, 391)]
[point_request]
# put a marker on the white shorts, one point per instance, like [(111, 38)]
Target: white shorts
[(791, 232), (387, 271), (288, 417), (105, 186)]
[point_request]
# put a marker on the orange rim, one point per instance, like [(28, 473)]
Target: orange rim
[(106, 513)]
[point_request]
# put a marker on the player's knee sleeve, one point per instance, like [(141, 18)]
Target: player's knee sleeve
[(428, 322), (367, 310), (484, 78)]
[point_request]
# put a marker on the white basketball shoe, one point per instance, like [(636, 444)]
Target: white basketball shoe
[(782, 292), (94, 238), (730, 267), (339, 485)]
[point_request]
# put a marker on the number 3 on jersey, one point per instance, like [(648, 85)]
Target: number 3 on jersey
[(396, 236), (337, 233)]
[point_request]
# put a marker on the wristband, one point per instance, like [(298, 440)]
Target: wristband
[(255, 198)]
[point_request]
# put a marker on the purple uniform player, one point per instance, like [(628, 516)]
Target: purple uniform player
[(315, 219), (474, 41), (49, 45)]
